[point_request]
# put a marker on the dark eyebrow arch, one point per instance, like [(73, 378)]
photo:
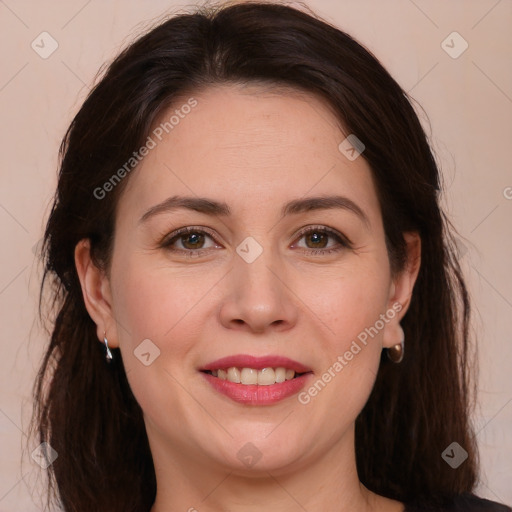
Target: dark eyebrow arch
[(324, 203), (294, 207)]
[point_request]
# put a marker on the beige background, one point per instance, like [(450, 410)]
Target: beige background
[(469, 103)]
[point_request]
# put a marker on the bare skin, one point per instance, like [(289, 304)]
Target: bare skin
[(255, 150)]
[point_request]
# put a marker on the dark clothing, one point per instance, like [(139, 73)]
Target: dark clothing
[(463, 503)]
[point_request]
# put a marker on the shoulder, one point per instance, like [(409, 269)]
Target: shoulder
[(466, 502)]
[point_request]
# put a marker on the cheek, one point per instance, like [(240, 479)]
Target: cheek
[(349, 308), (351, 351), (153, 302), (156, 314), (345, 307)]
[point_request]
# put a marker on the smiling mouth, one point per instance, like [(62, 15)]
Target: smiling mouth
[(251, 376)]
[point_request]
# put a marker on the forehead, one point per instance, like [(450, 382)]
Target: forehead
[(248, 143), (258, 119)]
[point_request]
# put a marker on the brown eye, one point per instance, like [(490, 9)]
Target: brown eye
[(192, 240), (317, 240), (188, 240)]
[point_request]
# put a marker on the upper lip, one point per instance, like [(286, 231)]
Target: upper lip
[(258, 363)]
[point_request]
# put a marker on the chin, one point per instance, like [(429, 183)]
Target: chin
[(257, 454)]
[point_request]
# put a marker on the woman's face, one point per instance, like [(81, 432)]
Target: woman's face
[(286, 258)]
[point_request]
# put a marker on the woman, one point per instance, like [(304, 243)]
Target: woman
[(247, 220)]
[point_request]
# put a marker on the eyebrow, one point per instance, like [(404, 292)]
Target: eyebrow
[(294, 207)]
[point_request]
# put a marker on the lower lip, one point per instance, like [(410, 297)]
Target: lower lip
[(257, 395)]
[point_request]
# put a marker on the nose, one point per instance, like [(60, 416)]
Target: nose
[(259, 298)]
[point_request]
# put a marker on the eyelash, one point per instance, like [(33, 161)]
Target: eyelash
[(344, 242)]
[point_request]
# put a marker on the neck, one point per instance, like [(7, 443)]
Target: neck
[(192, 483)]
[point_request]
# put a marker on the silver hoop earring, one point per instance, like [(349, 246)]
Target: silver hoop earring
[(396, 352), (108, 355)]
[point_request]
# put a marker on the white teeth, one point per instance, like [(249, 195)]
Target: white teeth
[(266, 377), (248, 376), (280, 374), (234, 375)]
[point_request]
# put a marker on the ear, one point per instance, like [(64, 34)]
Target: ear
[(401, 289), (97, 294)]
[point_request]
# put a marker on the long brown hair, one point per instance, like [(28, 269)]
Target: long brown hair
[(84, 408)]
